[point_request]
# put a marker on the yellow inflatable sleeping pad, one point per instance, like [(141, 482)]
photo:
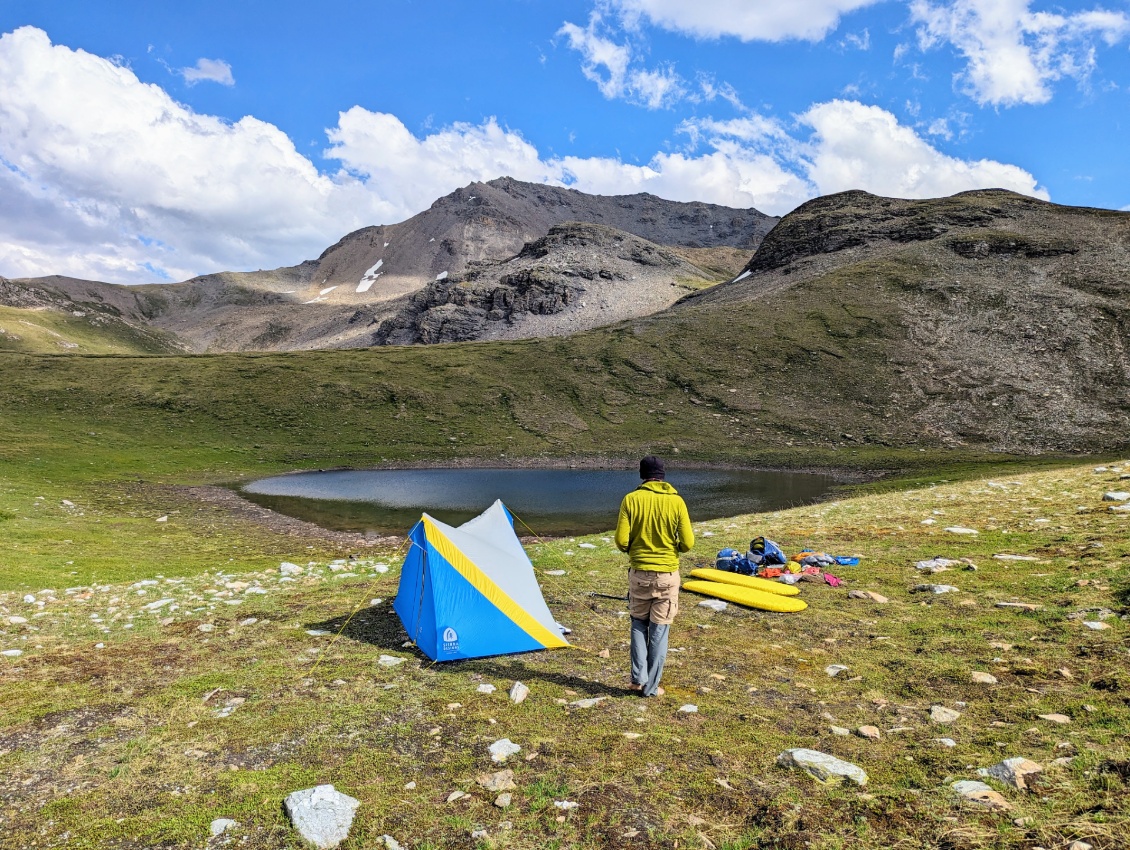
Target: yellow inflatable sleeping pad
[(780, 588), (746, 596)]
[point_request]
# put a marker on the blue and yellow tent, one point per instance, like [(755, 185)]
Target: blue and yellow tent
[(470, 591)]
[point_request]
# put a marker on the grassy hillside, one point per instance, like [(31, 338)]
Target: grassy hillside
[(130, 726), (50, 332)]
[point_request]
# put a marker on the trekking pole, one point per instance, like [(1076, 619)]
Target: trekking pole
[(623, 598)]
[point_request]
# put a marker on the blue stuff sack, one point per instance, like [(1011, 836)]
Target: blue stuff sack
[(725, 560)]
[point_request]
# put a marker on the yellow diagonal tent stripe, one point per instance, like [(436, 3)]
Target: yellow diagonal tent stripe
[(494, 594)]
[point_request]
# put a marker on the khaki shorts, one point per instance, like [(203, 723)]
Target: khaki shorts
[(653, 596)]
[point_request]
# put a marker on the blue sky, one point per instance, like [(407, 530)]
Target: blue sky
[(151, 141)]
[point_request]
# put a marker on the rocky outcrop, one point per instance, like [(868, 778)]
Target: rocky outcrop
[(577, 277)]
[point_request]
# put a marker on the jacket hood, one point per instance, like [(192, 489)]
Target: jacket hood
[(659, 487)]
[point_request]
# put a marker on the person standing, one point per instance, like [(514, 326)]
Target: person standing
[(653, 528)]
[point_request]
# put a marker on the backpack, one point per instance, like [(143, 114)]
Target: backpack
[(766, 550), (725, 560)]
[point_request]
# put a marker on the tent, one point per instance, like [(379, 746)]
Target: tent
[(470, 591)]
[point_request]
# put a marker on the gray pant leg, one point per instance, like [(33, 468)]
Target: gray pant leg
[(639, 652), (656, 656)]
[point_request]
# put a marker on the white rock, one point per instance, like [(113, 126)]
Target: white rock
[(205, 627), (17, 621), (713, 604), (249, 621), (834, 670), (586, 545), (318, 632), (587, 703), (390, 660), (456, 795), (162, 519), (409, 786), (631, 736), (1116, 496), (935, 565), (390, 843), (839, 731), (984, 678), (286, 568), (502, 749), (821, 766), (689, 708), (941, 714), (1006, 557), (518, 692), (1020, 606), (555, 572), (1096, 625), (486, 689), (12, 653), (960, 529), (160, 603), (322, 815), (29, 599), (946, 742), (1120, 508), (936, 588), (221, 825), (565, 805), (1055, 718)]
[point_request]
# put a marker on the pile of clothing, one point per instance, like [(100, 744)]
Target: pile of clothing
[(766, 559)]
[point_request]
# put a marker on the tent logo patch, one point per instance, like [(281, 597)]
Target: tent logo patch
[(450, 640)]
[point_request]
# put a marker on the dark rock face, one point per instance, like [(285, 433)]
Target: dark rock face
[(548, 277), (849, 219)]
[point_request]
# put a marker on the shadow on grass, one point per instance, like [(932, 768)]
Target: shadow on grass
[(383, 630)]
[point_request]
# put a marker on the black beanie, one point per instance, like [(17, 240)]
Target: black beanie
[(652, 467)]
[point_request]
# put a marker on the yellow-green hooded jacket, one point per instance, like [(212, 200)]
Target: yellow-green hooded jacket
[(653, 527)]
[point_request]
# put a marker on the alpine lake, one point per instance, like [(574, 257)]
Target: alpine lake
[(544, 502)]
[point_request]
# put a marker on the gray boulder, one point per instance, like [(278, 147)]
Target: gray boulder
[(822, 767), (322, 815)]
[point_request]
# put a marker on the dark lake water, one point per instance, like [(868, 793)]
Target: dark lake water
[(551, 502)]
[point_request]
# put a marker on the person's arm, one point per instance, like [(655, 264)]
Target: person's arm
[(686, 533), (623, 527)]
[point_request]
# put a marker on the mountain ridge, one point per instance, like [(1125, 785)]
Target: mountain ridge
[(372, 270)]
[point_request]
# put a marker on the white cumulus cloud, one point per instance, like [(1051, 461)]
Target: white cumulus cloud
[(106, 177), (610, 66), (1015, 54), (748, 20), (855, 146), (210, 70)]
